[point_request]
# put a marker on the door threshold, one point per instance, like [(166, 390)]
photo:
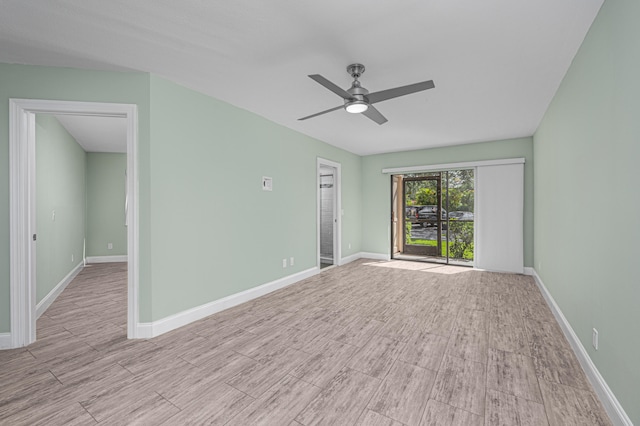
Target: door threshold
[(431, 259)]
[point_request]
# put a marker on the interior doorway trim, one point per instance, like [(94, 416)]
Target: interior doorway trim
[(337, 235), (22, 144)]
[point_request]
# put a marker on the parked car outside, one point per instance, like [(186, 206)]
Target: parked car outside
[(411, 213), (428, 216), (461, 215)]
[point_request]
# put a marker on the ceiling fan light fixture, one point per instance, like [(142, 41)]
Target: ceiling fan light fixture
[(358, 100), (356, 107)]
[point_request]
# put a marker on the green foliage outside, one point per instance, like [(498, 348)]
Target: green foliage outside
[(460, 189), (460, 240), (426, 197)]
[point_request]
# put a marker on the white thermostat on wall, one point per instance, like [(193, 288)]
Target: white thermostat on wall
[(267, 183)]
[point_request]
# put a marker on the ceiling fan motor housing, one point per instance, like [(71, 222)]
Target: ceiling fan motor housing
[(355, 70), (358, 93)]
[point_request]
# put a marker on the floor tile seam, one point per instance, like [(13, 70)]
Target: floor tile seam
[(375, 392), (589, 388), (387, 417), (424, 406), (447, 351), (313, 384), (458, 408), (226, 382), (467, 360), (86, 411), (169, 401), (318, 391), (518, 397), (369, 375), (486, 382), (506, 392), (533, 358), (55, 377), (547, 408), (556, 347)]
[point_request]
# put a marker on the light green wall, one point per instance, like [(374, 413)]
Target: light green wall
[(106, 182), (60, 188), (203, 217), (32, 82), (376, 194), (215, 232), (587, 237)]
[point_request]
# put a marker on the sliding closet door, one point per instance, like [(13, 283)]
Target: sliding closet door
[(499, 218)]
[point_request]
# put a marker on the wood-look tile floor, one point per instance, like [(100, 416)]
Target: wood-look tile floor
[(369, 343)]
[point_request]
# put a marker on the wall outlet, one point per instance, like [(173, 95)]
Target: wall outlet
[(594, 339), (109, 246), (53, 215), (349, 246), (72, 257), (284, 263), (291, 261)]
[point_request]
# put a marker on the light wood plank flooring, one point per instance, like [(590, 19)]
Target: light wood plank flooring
[(369, 343)]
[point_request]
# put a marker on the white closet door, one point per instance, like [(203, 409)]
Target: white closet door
[(499, 218)]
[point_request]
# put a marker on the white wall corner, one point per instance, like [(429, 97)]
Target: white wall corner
[(144, 330), (156, 328), (364, 255), (350, 258), (529, 271), (107, 259), (44, 304), (375, 256), (5, 341), (613, 408)]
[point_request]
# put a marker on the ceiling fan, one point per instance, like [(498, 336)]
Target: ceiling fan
[(357, 99)]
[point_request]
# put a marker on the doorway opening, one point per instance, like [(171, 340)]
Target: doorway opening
[(80, 204), (23, 234), (433, 217), (328, 213)]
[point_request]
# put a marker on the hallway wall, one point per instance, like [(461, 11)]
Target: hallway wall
[(106, 189), (60, 203)]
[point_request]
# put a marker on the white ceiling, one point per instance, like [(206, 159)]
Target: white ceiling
[(496, 64), (97, 134)]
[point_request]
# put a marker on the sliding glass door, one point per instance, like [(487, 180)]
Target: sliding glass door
[(433, 216)]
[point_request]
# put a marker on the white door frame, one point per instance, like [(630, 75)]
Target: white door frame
[(22, 162), (337, 206)]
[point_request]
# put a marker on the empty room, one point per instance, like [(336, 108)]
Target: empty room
[(319, 213)]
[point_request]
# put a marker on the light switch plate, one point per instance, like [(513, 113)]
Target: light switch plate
[(267, 183)]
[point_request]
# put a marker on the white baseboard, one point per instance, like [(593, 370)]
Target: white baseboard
[(529, 271), (375, 256), (5, 341), (364, 255), (156, 328), (349, 259), (326, 259), (145, 331), (615, 411), (44, 304), (107, 259)]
